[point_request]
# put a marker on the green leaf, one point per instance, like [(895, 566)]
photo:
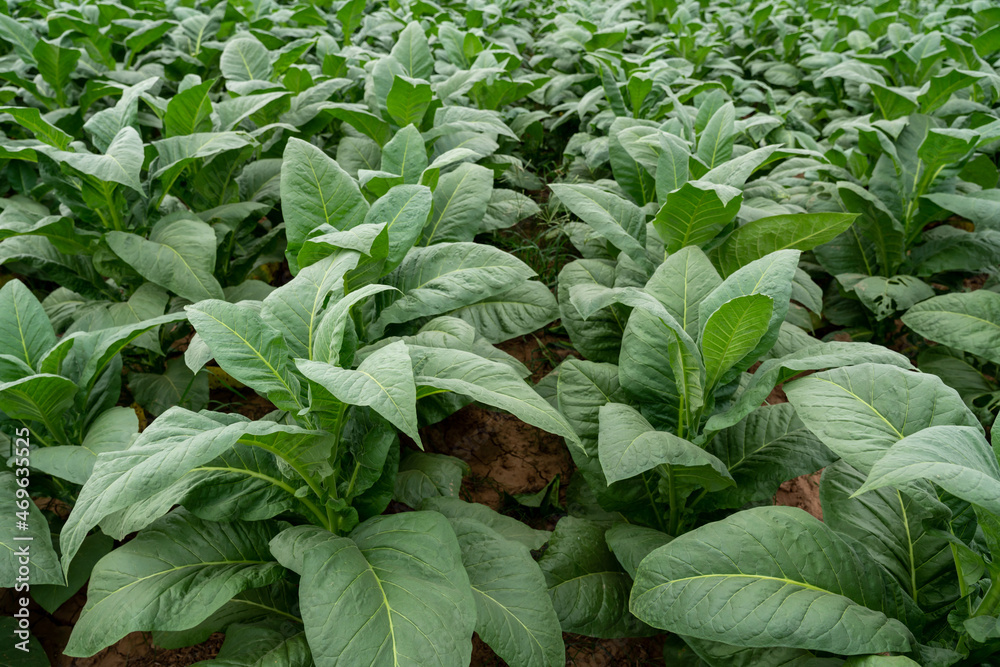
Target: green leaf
[(316, 191), (25, 330), (891, 527), (526, 307), (43, 397), (715, 144), (631, 543), (408, 100), (383, 381), (440, 278), (55, 64), (171, 576), (295, 309), (887, 296), (771, 276), (861, 411), (490, 382), (681, 282), (121, 162), (254, 645), (177, 385), (731, 332), (620, 222), (31, 119), (190, 111), (769, 446), (801, 231), (769, 568), (139, 484), (460, 201), (696, 213), (406, 155), (424, 476), (398, 585), (514, 615), (35, 539), (413, 53), (19, 36), (112, 431), (956, 458), (588, 587), (248, 349), (179, 256), (629, 446), (509, 528), (245, 59), (968, 321)]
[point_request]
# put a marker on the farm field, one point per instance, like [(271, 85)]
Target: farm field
[(524, 333)]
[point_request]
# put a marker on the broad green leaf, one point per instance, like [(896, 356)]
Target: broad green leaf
[(631, 543), (112, 431), (189, 111), (33, 539), (860, 411), (248, 349), (509, 528), (179, 256), (43, 397), (159, 469), (105, 125), (588, 587), (681, 282), (171, 576), (801, 231), (440, 278), (526, 307), (890, 525), (771, 276), (696, 213), (732, 331), (56, 64), (618, 221), (628, 445), (406, 155), (769, 568), (886, 296), (121, 162), (514, 615), (253, 645), (956, 458), (245, 59), (424, 476), (383, 381), (31, 119), (177, 385), (315, 191), (769, 446), (715, 143), (599, 336), (490, 382), (295, 308), (408, 100), (460, 201), (19, 36), (413, 53), (968, 321), (25, 330), (393, 593), (177, 152)]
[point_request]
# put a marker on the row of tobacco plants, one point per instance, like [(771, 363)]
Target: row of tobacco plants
[(303, 200)]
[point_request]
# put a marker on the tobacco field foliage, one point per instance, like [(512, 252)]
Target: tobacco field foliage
[(768, 232)]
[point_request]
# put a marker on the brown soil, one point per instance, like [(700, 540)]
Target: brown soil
[(801, 492), (505, 454)]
